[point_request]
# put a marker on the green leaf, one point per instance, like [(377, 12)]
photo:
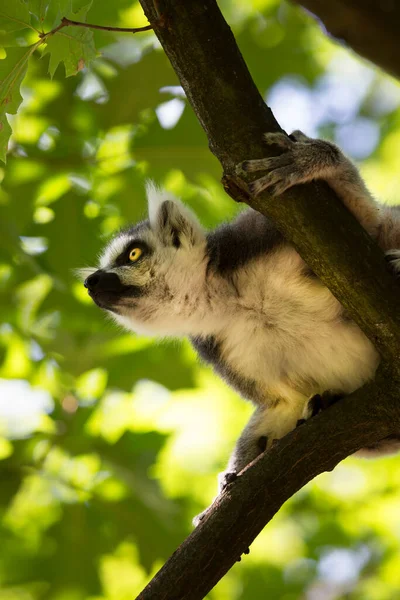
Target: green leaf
[(14, 15), (39, 8), (74, 46), (50, 12), (12, 71)]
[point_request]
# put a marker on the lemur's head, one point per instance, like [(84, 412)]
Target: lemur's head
[(148, 274)]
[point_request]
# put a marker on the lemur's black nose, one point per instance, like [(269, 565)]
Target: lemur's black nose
[(92, 280), (100, 281)]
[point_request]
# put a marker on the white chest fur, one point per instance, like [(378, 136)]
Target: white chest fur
[(286, 331)]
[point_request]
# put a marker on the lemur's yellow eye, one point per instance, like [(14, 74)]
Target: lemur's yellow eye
[(135, 254)]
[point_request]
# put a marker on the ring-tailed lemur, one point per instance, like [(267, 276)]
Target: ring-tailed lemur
[(244, 296)]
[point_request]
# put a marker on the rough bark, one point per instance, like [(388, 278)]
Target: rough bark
[(211, 69), (370, 27)]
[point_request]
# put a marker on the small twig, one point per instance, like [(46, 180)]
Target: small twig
[(65, 22)]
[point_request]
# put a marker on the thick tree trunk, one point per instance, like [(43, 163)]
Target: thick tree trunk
[(370, 27), (215, 78), (218, 85)]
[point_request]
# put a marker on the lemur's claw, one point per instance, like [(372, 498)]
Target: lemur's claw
[(320, 402), (255, 187), (262, 443), (314, 405), (224, 479)]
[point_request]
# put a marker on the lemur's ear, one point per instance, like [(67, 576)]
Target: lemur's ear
[(171, 220)]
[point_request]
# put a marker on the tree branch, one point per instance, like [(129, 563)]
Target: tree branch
[(65, 22), (370, 28), (217, 83), (248, 504), (204, 54)]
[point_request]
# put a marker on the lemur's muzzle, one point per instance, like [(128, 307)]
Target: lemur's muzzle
[(101, 281), (108, 291)]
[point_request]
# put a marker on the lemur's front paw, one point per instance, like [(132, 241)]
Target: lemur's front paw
[(302, 160), (277, 165), (393, 258)]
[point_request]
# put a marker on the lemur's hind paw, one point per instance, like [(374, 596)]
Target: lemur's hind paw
[(317, 403), (393, 259), (320, 402), (229, 476), (225, 478)]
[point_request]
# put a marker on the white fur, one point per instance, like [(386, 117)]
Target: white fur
[(114, 249), (183, 271), (84, 273), (286, 329), (156, 196)]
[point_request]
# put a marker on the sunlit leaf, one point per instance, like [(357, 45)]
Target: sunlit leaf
[(74, 46), (30, 295), (12, 71)]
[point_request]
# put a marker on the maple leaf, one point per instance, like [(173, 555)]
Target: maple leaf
[(14, 15), (74, 46), (12, 71)]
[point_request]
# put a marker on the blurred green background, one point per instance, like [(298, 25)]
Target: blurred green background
[(110, 443)]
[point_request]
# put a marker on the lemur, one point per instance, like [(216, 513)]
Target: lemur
[(245, 298)]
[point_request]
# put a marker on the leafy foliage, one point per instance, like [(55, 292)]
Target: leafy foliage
[(73, 46), (110, 443), (14, 15), (12, 71)]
